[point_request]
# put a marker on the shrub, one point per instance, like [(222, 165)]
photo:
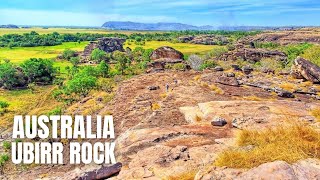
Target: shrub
[(56, 111), (74, 61), (10, 77), (81, 84), (122, 59), (208, 64), (4, 104), (269, 63), (293, 51), (179, 66), (6, 145), (106, 84), (68, 54), (98, 55), (3, 159), (39, 70), (288, 143), (313, 54), (103, 69), (216, 52), (195, 62)]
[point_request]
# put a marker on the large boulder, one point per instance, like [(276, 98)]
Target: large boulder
[(303, 68), (165, 56), (166, 52)]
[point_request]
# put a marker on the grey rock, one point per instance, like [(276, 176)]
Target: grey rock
[(218, 121)]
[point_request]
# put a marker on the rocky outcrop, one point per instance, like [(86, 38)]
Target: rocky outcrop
[(252, 55), (304, 69), (204, 39), (164, 56), (166, 52), (105, 44)]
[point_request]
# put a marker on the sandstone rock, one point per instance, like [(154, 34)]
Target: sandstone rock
[(252, 55), (153, 88), (218, 68), (166, 52), (283, 93), (283, 170), (231, 81), (303, 68), (231, 74), (236, 67), (247, 70), (218, 121), (165, 56)]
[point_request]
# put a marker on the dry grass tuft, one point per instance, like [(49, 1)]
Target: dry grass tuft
[(216, 89), (288, 143), (316, 113), (155, 106), (288, 86)]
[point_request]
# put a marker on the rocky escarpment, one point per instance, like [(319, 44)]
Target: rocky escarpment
[(286, 37), (105, 44), (252, 54)]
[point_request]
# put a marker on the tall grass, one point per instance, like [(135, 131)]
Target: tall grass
[(287, 143)]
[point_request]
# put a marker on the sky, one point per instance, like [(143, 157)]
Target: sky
[(194, 12)]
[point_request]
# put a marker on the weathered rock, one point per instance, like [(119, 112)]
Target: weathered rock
[(236, 67), (303, 68), (231, 81), (247, 70), (231, 74), (218, 68), (153, 88), (304, 169), (283, 93), (105, 44), (218, 121), (268, 70), (252, 55), (166, 52), (165, 56)]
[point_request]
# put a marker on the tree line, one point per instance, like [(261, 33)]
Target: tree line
[(33, 38)]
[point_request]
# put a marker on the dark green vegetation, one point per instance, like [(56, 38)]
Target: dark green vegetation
[(39, 71), (33, 39)]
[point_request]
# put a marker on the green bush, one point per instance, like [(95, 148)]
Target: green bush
[(10, 77), (179, 66), (98, 55), (4, 104), (208, 64), (6, 145), (81, 84), (3, 159), (293, 51), (39, 70), (68, 54), (313, 54)]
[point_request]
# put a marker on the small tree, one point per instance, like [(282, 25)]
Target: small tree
[(195, 62), (39, 70), (81, 84), (68, 54), (122, 61), (8, 75), (75, 61), (98, 55), (103, 69)]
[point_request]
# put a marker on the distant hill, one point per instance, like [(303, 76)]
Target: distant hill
[(128, 25), (119, 25), (9, 26)]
